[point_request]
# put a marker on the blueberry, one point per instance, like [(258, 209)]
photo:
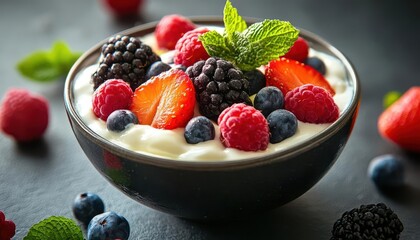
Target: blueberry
[(282, 124), (268, 99), (317, 64), (386, 171), (86, 206), (108, 225), (199, 129), (256, 81), (156, 68), (119, 120)]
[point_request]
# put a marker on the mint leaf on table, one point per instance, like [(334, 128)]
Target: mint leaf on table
[(55, 228), (45, 66)]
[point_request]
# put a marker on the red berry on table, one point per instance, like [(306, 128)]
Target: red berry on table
[(400, 122), (170, 29), (24, 115), (7, 228), (166, 101), (123, 8), (189, 49), (299, 51), (287, 74), (113, 94), (311, 104), (243, 127)]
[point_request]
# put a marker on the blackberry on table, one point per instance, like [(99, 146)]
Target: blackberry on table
[(126, 58), (218, 85)]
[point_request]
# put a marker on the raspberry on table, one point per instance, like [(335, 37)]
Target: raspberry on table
[(189, 48), (7, 228), (243, 127), (24, 115), (112, 95), (170, 29), (311, 104)]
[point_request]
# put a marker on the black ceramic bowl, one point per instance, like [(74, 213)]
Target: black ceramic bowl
[(215, 190)]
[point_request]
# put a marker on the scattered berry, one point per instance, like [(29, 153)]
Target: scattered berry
[(119, 120), (268, 99), (317, 64), (399, 123), (125, 58), (299, 51), (7, 228), (243, 127), (189, 48), (86, 206), (199, 129), (156, 68), (373, 221), (24, 115), (282, 124), (112, 95), (108, 225), (170, 29), (288, 74), (218, 85), (386, 171), (311, 104), (256, 81), (165, 101), (123, 8)]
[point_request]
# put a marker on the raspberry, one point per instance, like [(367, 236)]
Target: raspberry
[(189, 48), (311, 104), (7, 228), (112, 95), (299, 51), (24, 115), (170, 29), (243, 127)]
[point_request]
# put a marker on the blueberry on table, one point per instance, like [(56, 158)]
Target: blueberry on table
[(199, 129), (269, 99), (86, 206), (119, 120), (156, 68), (282, 124), (386, 171), (317, 64), (108, 225), (256, 81)]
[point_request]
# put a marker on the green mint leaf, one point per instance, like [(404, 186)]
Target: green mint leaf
[(63, 56), (216, 45), (232, 20), (55, 228), (390, 98)]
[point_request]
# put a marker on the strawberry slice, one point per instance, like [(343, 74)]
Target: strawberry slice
[(400, 122), (287, 74), (165, 101)]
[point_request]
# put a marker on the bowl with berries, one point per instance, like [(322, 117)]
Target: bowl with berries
[(213, 117)]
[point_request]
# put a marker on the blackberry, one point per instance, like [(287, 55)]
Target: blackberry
[(218, 85), (125, 58), (373, 221)]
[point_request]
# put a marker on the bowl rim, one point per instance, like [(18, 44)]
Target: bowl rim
[(141, 30)]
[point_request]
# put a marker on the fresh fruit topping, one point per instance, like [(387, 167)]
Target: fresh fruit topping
[(399, 123), (372, 221), (86, 206), (288, 74), (317, 64), (390, 98), (243, 127), (189, 48), (170, 29), (55, 227), (299, 51), (218, 85), (165, 101), (156, 68), (282, 124), (24, 115), (268, 99), (108, 225), (311, 104), (112, 95), (122, 8), (386, 171), (199, 129), (7, 228), (119, 120), (125, 58), (256, 81), (249, 47)]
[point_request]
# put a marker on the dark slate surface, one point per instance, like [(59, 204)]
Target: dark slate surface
[(381, 38)]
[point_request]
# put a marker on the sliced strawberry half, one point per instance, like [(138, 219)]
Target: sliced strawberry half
[(165, 101), (287, 74)]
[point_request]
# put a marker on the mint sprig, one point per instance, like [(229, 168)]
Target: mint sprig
[(249, 47), (55, 228), (45, 66)]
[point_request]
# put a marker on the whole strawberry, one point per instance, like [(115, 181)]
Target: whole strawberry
[(170, 29), (7, 228), (400, 123), (23, 115), (299, 51)]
